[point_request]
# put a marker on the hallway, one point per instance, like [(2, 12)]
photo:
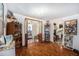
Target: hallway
[(44, 49)]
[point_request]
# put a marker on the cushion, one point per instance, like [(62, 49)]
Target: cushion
[(5, 40), (8, 38)]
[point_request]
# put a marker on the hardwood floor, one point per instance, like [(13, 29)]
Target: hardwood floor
[(44, 49)]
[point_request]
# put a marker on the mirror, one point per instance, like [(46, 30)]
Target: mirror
[(1, 20)]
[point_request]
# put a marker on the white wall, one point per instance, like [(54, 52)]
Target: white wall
[(76, 37), (51, 30), (43, 23), (5, 18), (35, 28), (1, 26)]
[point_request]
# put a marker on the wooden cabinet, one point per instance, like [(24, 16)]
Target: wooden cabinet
[(10, 28), (14, 28), (26, 40), (40, 37), (18, 41)]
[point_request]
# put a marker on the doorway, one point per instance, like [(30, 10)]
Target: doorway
[(34, 28)]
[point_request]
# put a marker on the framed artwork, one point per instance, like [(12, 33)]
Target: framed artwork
[(71, 27)]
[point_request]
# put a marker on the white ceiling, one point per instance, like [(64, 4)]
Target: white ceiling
[(45, 10)]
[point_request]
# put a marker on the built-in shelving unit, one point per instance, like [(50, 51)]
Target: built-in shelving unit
[(70, 30), (47, 32), (68, 41)]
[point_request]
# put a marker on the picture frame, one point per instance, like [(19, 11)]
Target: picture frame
[(71, 27)]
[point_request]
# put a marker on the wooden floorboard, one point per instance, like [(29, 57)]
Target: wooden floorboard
[(44, 49)]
